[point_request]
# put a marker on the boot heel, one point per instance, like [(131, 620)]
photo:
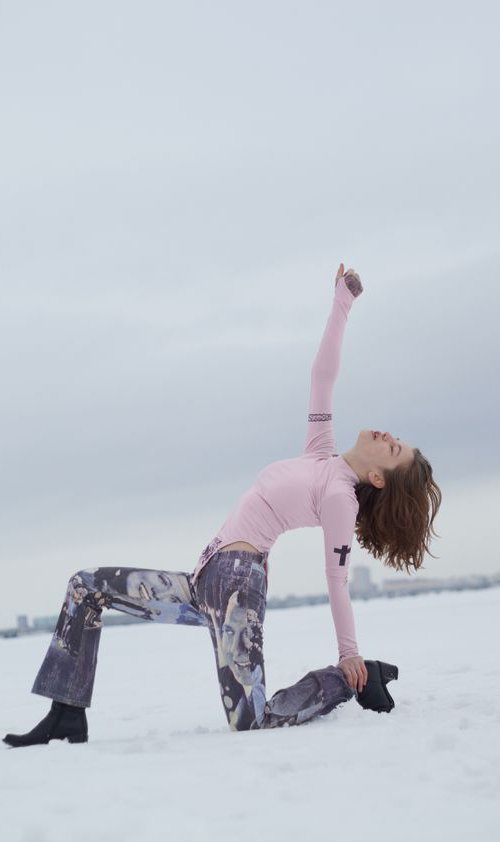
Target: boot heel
[(78, 738), (389, 672)]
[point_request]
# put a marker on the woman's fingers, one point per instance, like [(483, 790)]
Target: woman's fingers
[(360, 677), (351, 279), (353, 283), (355, 673)]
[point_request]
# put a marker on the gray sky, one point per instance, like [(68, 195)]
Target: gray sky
[(179, 182)]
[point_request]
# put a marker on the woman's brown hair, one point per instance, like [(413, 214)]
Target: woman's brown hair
[(395, 522)]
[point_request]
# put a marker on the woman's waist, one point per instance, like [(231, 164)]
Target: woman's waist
[(239, 556), (236, 560), (240, 545)]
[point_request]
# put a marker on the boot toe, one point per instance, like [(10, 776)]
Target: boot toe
[(18, 740)]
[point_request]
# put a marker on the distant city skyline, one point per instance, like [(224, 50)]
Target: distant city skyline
[(362, 587)]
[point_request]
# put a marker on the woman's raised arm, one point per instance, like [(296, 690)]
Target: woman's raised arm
[(320, 439)]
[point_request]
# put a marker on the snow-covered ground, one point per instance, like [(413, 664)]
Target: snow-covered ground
[(162, 762)]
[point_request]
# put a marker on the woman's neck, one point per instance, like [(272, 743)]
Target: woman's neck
[(356, 464)]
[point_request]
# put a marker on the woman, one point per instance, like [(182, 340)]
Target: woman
[(381, 490)]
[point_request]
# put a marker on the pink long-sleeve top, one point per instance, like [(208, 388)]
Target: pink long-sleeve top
[(314, 489)]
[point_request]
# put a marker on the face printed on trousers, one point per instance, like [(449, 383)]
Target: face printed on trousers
[(152, 584), (241, 640)]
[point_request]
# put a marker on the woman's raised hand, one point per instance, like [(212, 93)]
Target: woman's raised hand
[(351, 278), (355, 672)]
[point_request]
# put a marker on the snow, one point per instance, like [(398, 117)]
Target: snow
[(161, 760)]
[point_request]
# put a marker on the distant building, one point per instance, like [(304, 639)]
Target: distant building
[(22, 624), (361, 585), (409, 585), (44, 623)]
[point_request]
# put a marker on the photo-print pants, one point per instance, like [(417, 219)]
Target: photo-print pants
[(229, 597)]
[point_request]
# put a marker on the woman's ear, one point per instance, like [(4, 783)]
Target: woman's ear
[(376, 479)]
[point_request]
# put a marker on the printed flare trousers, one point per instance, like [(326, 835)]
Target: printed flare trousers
[(229, 597)]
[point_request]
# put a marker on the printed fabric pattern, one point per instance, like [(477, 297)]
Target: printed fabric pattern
[(229, 597)]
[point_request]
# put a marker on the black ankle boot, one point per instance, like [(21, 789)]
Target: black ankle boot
[(375, 695), (62, 722)]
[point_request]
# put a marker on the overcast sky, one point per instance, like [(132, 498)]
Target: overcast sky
[(179, 182)]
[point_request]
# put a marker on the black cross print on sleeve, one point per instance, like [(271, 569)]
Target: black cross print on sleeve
[(343, 552)]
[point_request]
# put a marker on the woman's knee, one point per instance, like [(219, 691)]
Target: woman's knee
[(241, 725), (81, 581)]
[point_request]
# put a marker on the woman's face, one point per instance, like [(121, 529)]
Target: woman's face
[(383, 450)]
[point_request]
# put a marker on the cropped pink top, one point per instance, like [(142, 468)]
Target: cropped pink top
[(314, 489)]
